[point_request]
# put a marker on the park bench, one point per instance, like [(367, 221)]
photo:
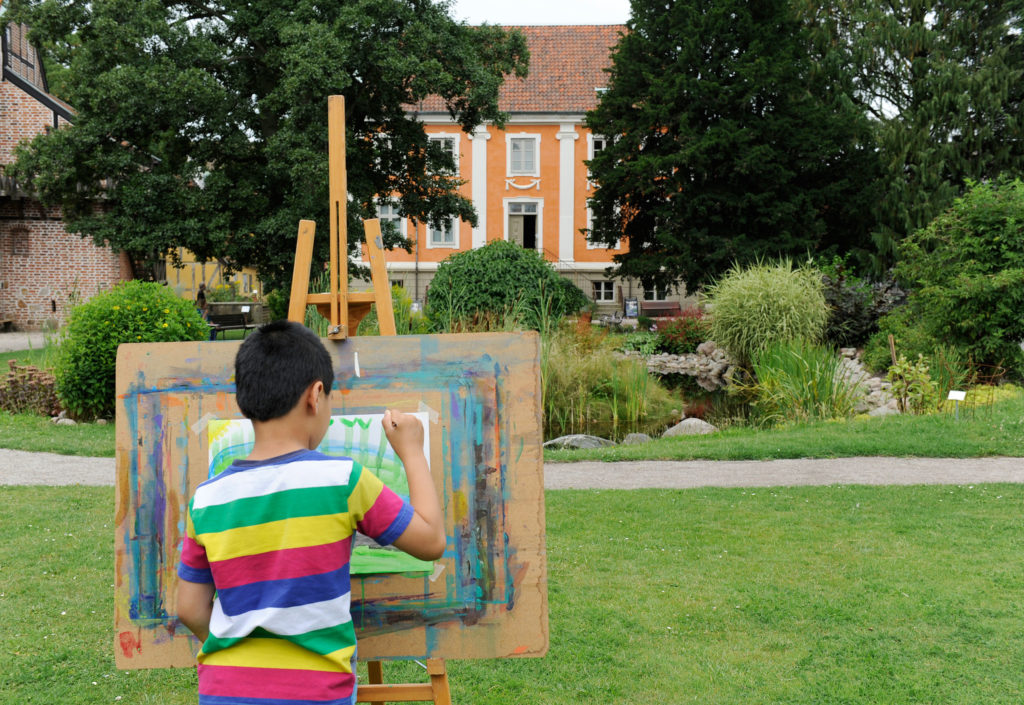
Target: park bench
[(236, 320), (660, 309)]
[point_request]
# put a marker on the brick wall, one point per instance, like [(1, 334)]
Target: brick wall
[(22, 117), (44, 270)]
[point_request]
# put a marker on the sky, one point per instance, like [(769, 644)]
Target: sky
[(526, 12)]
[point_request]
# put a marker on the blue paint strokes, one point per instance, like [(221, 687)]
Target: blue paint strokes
[(146, 539)]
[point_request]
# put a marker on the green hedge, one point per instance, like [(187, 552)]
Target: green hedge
[(500, 283), (132, 312)]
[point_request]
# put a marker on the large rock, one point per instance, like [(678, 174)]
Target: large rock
[(690, 427), (578, 440), (635, 439)]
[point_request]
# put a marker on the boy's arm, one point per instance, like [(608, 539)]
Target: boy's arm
[(195, 605), (424, 538)]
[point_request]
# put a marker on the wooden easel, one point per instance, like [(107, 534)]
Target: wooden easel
[(341, 308), (345, 310)]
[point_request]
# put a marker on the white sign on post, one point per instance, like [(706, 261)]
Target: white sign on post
[(955, 395)]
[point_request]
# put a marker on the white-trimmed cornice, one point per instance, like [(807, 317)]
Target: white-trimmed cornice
[(514, 118)]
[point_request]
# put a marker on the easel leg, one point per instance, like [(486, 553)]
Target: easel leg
[(375, 672), (436, 691), (439, 681)]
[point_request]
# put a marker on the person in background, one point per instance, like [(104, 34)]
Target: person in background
[(204, 308)]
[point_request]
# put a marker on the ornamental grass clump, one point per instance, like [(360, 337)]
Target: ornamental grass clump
[(757, 306), (798, 382), (132, 312)]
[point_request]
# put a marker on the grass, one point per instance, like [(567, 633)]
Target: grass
[(986, 429), (37, 434), (843, 594), (42, 357), (997, 429), (992, 430)]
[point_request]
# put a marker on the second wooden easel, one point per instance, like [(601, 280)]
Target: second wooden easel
[(341, 308), (344, 310)]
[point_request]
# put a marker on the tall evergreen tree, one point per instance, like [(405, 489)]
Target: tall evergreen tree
[(203, 123), (729, 140), (941, 80)]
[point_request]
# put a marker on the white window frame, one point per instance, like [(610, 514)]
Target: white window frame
[(453, 229), (402, 220), (539, 236), (607, 287), (456, 149), (591, 139), (653, 295), (597, 245), (509, 138)]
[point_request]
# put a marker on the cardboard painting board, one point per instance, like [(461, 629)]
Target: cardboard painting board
[(480, 393)]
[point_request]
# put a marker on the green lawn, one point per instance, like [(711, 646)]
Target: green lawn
[(986, 430), (843, 594)]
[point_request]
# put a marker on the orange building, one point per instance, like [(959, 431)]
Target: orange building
[(528, 181)]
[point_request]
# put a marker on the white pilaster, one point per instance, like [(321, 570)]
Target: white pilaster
[(567, 137), (479, 186)]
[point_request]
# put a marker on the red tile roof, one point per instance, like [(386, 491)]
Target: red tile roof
[(567, 64)]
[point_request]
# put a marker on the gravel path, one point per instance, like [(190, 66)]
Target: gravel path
[(18, 340), (22, 468)]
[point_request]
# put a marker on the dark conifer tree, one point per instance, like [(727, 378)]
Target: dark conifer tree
[(728, 140)]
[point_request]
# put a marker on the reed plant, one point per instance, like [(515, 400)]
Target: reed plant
[(313, 320), (799, 382), (587, 387)]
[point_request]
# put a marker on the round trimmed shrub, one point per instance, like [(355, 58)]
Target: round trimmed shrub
[(498, 283), (132, 312), (755, 307)]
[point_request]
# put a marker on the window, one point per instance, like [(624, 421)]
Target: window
[(604, 291), (522, 208), (400, 283), (443, 236), (597, 245), (450, 144), (391, 218), (523, 157), (658, 293), (597, 144)]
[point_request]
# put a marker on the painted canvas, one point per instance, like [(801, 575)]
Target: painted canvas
[(479, 396), (357, 436)]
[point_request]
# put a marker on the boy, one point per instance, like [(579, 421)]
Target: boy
[(264, 579)]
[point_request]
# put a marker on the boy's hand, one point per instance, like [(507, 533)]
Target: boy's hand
[(404, 432), (424, 537)]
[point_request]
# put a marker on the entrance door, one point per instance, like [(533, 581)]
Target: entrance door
[(515, 228), (522, 224)]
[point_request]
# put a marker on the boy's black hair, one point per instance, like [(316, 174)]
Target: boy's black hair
[(275, 365)]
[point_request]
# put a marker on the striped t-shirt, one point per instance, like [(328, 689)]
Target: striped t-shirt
[(275, 538)]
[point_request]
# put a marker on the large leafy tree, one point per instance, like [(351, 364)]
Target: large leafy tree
[(203, 123), (729, 140), (941, 80)]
